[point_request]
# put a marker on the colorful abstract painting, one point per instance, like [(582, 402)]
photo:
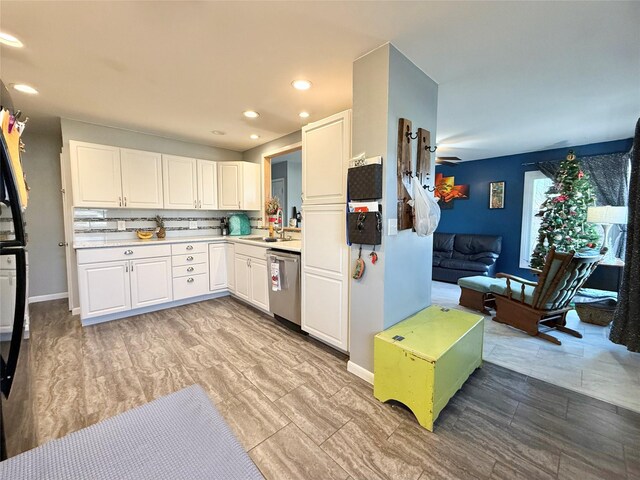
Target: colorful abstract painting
[(447, 191)]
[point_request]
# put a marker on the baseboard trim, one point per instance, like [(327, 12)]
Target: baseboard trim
[(75, 311), (359, 371), (46, 298)]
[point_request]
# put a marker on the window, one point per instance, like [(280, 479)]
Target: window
[(536, 185)]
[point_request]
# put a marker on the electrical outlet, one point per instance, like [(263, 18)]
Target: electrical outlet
[(393, 226), (121, 226), (193, 224)]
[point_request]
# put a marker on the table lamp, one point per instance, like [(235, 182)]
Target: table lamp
[(607, 216)]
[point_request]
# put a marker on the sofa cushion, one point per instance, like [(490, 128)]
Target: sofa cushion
[(476, 247), (463, 264), (443, 244)]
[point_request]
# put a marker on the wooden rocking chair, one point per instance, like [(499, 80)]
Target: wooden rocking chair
[(527, 305)]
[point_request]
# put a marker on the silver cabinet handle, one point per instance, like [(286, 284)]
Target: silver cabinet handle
[(238, 204), (247, 262), (126, 268), (119, 201), (128, 252), (190, 269), (189, 258), (189, 247), (62, 244), (9, 260), (199, 203), (189, 280), (132, 267), (195, 204)]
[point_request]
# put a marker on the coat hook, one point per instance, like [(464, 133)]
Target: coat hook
[(410, 136), (428, 147), (428, 188)]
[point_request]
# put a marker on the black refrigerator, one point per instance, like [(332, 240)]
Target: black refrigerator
[(15, 406)]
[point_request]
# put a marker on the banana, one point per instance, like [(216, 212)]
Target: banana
[(142, 235)]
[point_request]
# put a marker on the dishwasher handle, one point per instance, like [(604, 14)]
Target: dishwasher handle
[(283, 259)]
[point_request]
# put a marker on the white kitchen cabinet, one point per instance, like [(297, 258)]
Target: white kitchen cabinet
[(229, 250), (141, 179), (326, 148), (217, 267), (251, 278), (325, 274), (7, 299), (243, 275), (151, 281), (104, 288), (239, 186), (180, 185), (259, 283), (95, 175), (207, 185)]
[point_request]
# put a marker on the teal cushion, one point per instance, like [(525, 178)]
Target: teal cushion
[(516, 291), (480, 283)]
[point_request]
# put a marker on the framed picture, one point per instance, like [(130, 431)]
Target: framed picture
[(496, 194)]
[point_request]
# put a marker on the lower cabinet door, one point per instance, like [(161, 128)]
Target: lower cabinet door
[(104, 288), (150, 281), (259, 284), (193, 286), (230, 252), (217, 267), (241, 268)]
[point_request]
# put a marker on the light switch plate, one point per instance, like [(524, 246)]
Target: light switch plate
[(121, 226), (193, 224), (393, 226)]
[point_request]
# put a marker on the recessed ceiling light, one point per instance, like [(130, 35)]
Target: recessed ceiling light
[(303, 114), (251, 114), (25, 89), (218, 132), (10, 40), (253, 136), (301, 84)]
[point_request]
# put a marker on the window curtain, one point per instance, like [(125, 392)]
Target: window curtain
[(608, 174), (626, 319)]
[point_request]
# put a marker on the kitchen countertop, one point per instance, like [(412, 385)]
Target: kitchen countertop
[(289, 245)]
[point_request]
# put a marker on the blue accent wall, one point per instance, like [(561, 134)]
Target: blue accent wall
[(474, 216)]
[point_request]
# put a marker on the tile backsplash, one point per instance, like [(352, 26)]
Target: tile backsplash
[(102, 224)]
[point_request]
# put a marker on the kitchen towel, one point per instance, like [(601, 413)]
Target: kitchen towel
[(276, 284)]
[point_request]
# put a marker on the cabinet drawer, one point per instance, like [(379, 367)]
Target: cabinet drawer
[(93, 255), (188, 248), (189, 259), (251, 250), (189, 270), (191, 286)]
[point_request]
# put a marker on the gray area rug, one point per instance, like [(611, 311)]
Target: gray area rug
[(180, 436)]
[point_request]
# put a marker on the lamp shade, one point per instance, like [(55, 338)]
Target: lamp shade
[(607, 214)]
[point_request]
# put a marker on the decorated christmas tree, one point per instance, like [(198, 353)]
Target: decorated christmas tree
[(564, 213)]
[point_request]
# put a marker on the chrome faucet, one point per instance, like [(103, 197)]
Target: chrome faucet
[(280, 221)]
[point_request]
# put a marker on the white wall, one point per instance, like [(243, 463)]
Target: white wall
[(387, 87), (47, 269)]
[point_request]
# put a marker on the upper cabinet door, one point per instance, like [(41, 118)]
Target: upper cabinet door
[(229, 185), (95, 175), (207, 185), (179, 178), (251, 190), (141, 179), (326, 148)]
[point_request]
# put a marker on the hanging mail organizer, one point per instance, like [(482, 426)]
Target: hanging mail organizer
[(364, 182)]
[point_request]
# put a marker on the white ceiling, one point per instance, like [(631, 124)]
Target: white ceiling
[(513, 76)]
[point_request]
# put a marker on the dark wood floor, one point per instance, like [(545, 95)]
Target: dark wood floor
[(298, 412)]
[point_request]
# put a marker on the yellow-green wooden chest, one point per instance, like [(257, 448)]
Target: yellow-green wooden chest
[(424, 360)]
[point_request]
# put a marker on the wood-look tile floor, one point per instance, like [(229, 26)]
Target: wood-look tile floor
[(592, 365), (300, 415)]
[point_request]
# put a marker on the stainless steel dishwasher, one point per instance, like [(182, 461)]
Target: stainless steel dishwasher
[(284, 302)]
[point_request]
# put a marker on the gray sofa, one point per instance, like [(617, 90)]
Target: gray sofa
[(457, 255)]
